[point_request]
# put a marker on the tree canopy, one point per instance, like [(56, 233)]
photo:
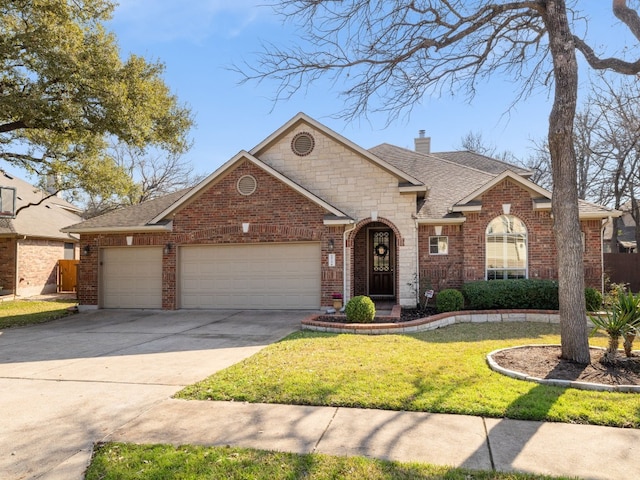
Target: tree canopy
[(387, 56), (65, 94)]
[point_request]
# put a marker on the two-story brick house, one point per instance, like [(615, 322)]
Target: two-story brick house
[(308, 213), (31, 243)]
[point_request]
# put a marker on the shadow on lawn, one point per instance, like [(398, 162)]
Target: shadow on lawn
[(475, 332), (506, 437)]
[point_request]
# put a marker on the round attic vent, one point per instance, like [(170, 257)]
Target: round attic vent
[(247, 185), (302, 144)]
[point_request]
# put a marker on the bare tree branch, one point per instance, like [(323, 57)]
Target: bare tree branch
[(387, 56), (628, 16), (32, 204)]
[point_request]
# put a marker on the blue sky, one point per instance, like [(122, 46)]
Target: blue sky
[(198, 39)]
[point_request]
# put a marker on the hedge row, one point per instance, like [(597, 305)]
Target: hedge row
[(532, 294)]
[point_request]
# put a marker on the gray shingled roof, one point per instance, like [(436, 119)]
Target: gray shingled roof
[(134, 216), (594, 210), (448, 182), (41, 221), (482, 162)]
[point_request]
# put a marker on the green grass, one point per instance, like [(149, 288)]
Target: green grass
[(442, 371), (27, 312), (115, 461)]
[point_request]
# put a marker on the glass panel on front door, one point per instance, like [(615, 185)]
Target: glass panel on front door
[(381, 275)]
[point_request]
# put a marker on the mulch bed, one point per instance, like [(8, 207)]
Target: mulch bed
[(545, 362), (407, 315)]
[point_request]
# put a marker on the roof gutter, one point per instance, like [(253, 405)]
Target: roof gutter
[(141, 229)]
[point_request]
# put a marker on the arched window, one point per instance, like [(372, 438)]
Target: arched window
[(506, 248)]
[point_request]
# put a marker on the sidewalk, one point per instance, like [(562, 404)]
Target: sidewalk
[(588, 452)]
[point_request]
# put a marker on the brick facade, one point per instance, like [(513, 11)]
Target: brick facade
[(37, 265), (466, 259), (215, 217), (8, 270), (363, 188)]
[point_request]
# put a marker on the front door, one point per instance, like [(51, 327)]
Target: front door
[(381, 263)]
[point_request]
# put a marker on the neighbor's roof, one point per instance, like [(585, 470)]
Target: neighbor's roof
[(40, 221)]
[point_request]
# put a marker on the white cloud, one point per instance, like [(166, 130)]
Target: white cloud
[(192, 20)]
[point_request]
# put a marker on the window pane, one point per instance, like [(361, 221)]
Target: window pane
[(381, 250), (506, 248), (443, 245), (438, 245)]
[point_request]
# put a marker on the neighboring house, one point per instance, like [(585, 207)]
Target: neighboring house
[(307, 213), (31, 244), (626, 233)]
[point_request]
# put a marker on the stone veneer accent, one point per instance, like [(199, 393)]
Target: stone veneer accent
[(356, 186), (430, 323)]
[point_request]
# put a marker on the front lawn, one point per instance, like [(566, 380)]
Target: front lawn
[(117, 461), (27, 312), (441, 371)]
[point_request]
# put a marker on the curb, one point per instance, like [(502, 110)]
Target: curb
[(596, 387)]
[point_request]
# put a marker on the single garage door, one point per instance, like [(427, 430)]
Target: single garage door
[(266, 276), (132, 277)]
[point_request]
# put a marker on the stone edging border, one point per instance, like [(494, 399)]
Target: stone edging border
[(597, 387), (429, 323)]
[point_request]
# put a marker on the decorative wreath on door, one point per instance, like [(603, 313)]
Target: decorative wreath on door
[(381, 250)]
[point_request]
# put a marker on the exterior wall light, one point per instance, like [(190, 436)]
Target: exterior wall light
[(167, 248), (86, 249), (330, 245)]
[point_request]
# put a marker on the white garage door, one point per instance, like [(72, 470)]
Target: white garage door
[(266, 276), (132, 277)]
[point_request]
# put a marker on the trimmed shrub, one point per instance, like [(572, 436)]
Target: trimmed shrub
[(593, 299), (449, 300), (360, 309), (533, 294)]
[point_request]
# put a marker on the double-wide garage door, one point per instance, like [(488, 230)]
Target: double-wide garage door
[(265, 276)]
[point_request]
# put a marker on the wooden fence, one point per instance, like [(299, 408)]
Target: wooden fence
[(623, 268), (67, 275)]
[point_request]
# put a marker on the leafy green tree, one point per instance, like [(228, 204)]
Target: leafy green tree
[(65, 94), (397, 52)]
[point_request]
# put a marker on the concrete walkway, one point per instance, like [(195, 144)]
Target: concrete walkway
[(588, 452), (105, 376)]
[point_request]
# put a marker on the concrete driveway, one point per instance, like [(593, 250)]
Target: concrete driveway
[(67, 384)]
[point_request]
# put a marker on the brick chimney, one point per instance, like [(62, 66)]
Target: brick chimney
[(422, 143)]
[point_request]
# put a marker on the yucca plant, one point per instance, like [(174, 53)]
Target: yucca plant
[(621, 319), (630, 304)]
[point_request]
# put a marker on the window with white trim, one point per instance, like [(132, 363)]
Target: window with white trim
[(506, 248), (438, 245)]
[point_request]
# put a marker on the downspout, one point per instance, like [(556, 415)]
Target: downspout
[(15, 269), (344, 262), (417, 263), (602, 272)]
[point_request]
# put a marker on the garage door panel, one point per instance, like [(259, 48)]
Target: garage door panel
[(272, 276), (132, 277)]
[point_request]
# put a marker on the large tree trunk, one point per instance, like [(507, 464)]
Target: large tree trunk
[(573, 328)]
